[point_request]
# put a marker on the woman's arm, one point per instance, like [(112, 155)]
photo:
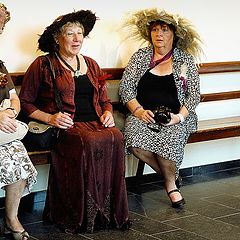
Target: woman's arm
[(193, 96), (60, 120), (138, 111), (136, 67), (29, 95), (8, 116), (14, 107)]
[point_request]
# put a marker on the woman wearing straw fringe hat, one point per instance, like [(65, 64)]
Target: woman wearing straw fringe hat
[(161, 88)]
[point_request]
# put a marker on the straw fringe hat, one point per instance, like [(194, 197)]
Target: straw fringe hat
[(187, 37)]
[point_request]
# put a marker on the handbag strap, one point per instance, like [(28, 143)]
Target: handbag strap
[(58, 98)]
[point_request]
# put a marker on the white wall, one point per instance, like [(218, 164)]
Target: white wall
[(217, 22)]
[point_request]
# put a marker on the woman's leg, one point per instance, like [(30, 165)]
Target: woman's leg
[(168, 170), (147, 157), (12, 200), (162, 166)]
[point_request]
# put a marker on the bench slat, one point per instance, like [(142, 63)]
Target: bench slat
[(214, 134), (218, 123)]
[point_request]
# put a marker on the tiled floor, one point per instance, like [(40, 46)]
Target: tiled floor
[(212, 211)]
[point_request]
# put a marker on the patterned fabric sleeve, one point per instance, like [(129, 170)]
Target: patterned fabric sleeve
[(30, 86), (136, 67), (192, 95), (193, 86), (186, 79)]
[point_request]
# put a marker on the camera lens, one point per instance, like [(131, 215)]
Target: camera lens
[(162, 115)]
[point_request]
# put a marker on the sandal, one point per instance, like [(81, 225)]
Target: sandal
[(16, 235), (178, 204), (20, 235)]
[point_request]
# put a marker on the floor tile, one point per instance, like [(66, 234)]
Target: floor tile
[(212, 212), (122, 235), (160, 210), (208, 228), (149, 226), (225, 200), (233, 219), (179, 235), (59, 236), (209, 209)]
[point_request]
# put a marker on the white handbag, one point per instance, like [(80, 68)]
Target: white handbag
[(22, 129)]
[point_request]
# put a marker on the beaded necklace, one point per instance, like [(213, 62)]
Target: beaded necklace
[(77, 72)]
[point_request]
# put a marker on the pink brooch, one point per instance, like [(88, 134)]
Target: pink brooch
[(183, 76)]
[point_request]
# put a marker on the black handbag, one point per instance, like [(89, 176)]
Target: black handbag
[(43, 136), (40, 136)]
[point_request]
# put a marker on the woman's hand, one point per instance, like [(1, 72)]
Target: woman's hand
[(7, 122), (107, 119), (145, 115), (61, 120)]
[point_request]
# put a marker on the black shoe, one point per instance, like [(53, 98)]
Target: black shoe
[(178, 204), (179, 182)]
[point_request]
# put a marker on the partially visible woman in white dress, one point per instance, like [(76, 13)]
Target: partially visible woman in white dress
[(17, 173)]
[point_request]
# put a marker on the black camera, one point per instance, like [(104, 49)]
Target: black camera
[(162, 115)]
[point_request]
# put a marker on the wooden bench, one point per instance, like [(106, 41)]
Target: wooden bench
[(208, 129)]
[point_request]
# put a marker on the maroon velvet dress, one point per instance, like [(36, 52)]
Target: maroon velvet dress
[(86, 189)]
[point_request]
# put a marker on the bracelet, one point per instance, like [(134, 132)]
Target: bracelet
[(138, 107), (49, 118), (181, 118)]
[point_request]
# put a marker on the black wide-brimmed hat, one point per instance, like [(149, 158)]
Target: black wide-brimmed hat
[(87, 18)]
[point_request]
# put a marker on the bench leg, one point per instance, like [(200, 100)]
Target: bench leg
[(27, 202), (139, 174), (140, 168)]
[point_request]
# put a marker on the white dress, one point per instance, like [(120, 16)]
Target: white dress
[(15, 165)]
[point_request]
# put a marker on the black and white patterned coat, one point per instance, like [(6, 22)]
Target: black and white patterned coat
[(170, 141), (185, 72)]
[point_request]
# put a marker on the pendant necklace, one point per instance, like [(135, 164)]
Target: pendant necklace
[(77, 72)]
